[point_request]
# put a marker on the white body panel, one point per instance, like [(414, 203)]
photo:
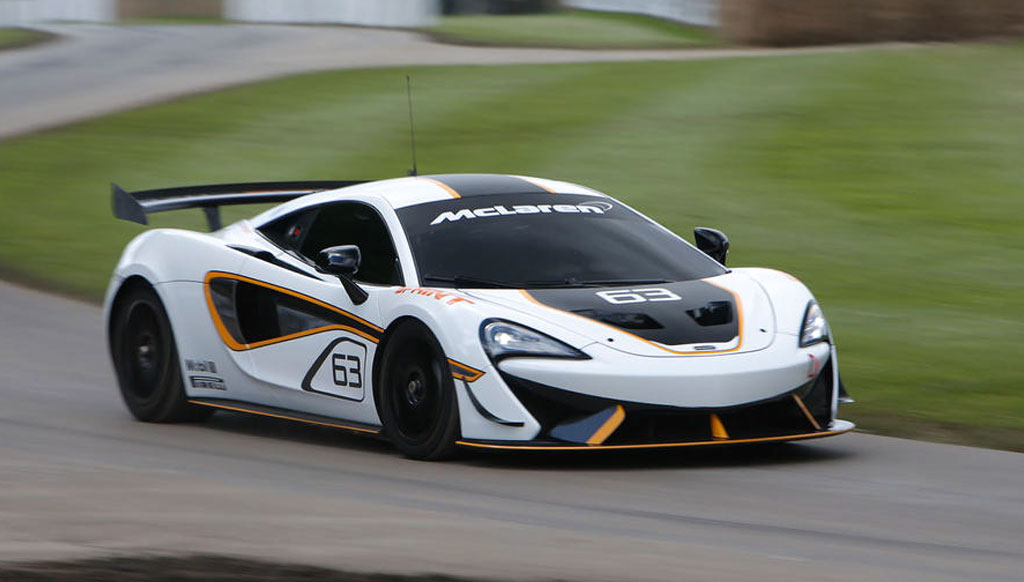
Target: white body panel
[(694, 382)]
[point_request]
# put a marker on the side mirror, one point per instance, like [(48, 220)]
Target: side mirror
[(343, 261), (712, 243)]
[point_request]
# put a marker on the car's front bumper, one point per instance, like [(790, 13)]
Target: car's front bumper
[(697, 381), (568, 418)]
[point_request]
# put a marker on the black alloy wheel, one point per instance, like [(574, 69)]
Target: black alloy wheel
[(146, 360), (417, 398)]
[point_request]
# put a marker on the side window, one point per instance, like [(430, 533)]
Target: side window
[(251, 314), (342, 223), (288, 232)]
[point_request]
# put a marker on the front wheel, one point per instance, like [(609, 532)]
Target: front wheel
[(417, 398), (146, 360)]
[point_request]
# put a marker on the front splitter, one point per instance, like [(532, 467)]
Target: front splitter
[(838, 427)]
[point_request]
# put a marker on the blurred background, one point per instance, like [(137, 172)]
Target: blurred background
[(872, 148), (884, 172), (772, 22)]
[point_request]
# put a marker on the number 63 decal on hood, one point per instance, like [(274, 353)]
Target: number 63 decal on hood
[(623, 296)]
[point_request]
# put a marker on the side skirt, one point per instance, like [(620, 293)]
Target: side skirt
[(249, 408)]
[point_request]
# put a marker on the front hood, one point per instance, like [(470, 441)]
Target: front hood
[(726, 314)]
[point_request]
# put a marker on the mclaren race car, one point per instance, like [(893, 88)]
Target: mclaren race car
[(475, 310)]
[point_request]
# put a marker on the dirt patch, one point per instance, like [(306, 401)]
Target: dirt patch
[(176, 9), (804, 22), (186, 568)]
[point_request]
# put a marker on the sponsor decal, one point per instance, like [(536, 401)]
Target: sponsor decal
[(443, 296), (595, 207), (207, 382), (204, 366)]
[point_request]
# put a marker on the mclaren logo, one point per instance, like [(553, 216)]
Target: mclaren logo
[(597, 207)]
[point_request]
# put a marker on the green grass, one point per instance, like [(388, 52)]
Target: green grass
[(891, 182), (570, 29), (20, 37)]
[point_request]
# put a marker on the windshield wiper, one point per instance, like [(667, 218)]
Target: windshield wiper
[(616, 282), (566, 283), (573, 282), (466, 281)]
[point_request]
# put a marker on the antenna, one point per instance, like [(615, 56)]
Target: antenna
[(412, 127)]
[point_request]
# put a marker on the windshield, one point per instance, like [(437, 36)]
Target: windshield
[(528, 241)]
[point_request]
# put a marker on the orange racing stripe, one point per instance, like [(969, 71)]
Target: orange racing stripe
[(451, 191)]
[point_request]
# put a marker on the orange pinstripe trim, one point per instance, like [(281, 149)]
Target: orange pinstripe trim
[(797, 437), (448, 188), (464, 372), (537, 184), (785, 274), (739, 333), (807, 413), (739, 316), (296, 419), (228, 340), (609, 426)]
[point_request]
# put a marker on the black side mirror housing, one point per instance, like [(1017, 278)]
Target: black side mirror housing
[(343, 261), (712, 243)]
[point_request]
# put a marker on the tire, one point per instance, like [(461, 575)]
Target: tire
[(146, 360), (417, 401)]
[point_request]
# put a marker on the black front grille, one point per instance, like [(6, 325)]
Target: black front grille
[(661, 426), (777, 417), (648, 424)]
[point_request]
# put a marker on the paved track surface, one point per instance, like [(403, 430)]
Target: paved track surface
[(97, 69), (78, 477)]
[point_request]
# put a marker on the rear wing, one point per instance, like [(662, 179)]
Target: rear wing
[(134, 206)]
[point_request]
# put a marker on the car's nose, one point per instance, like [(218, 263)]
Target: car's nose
[(692, 381)]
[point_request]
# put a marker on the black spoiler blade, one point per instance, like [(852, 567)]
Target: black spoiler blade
[(135, 206)]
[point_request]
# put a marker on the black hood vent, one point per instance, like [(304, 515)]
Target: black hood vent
[(631, 320), (714, 313)]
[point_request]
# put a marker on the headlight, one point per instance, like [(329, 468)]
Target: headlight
[(815, 327), (502, 339)]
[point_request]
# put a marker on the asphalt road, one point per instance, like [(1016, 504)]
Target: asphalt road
[(78, 477)]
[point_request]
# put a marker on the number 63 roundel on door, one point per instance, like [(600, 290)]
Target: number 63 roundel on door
[(339, 370)]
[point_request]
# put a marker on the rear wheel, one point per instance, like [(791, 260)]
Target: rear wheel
[(146, 360), (417, 397)]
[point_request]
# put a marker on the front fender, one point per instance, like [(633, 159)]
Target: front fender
[(487, 408), (788, 296)]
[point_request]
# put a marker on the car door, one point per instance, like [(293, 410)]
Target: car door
[(311, 346)]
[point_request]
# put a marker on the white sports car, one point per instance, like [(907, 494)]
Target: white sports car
[(476, 310)]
